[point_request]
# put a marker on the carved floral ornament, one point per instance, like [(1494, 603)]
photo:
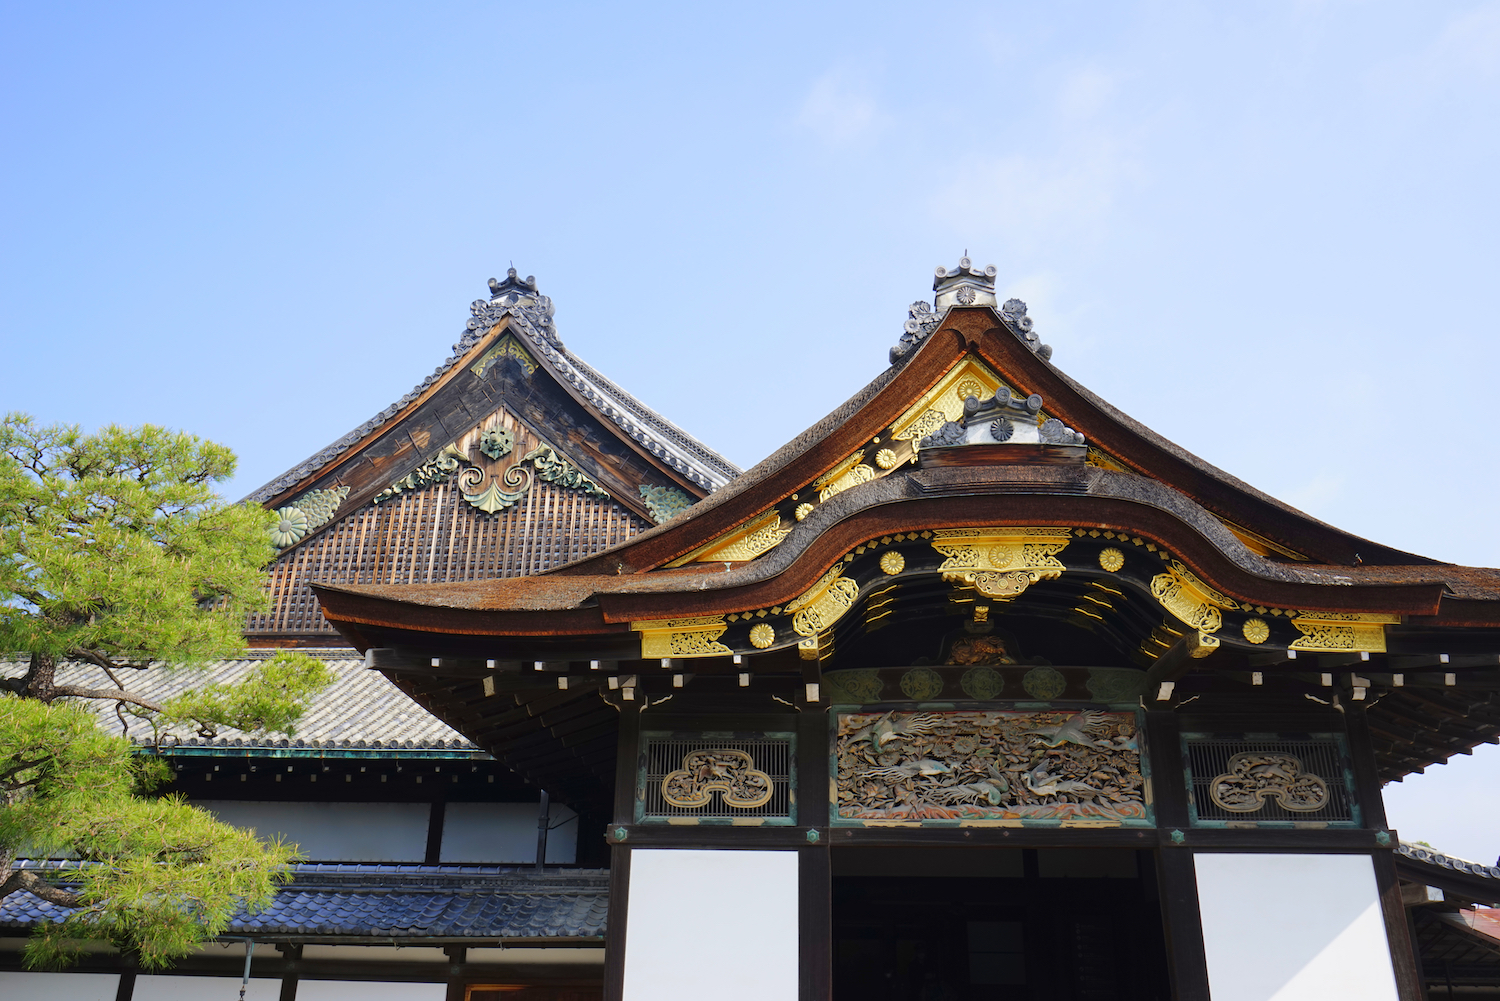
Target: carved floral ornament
[(306, 514)]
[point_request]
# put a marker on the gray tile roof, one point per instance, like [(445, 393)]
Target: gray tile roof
[(408, 902), (1427, 856), (361, 709)]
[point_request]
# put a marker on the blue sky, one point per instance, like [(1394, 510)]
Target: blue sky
[(1267, 231)]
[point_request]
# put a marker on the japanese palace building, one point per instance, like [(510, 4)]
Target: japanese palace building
[(976, 689)]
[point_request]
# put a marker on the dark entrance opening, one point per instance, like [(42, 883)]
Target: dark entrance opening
[(999, 924)]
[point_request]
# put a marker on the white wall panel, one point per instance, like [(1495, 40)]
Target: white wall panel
[(155, 987), (335, 832), (505, 832), (1293, 928), (711, 924), (356, 990), (59, 986)]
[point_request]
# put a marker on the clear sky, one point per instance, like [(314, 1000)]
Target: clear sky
[(1266, 230)]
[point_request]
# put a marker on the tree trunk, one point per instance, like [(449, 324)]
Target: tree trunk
[(41, 679)]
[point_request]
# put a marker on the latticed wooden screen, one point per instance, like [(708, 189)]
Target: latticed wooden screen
[(431, 536)]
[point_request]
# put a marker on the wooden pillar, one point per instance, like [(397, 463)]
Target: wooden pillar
[(1372, 813), (627, 755), (814, 869), (1177, 880)]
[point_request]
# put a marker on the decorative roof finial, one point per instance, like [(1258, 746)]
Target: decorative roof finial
[(964, 285)]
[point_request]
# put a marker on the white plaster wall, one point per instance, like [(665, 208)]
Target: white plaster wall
[(1293, 928), (59, 986), (505, 832), (335, 832), (711, 924), (355, 990), (155, 987)]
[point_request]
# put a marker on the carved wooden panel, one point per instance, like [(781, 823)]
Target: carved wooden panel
[(716, 778), (1012, 768), (1255, 780)]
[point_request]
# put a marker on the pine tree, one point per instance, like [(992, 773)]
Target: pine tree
[(117, 555)]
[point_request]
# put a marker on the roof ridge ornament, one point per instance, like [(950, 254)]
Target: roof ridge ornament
[(517, 298), (965, 285)]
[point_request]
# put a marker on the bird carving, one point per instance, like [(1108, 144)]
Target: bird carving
[(909, 769), (1076, 729), (890, 727), (1042, 784)]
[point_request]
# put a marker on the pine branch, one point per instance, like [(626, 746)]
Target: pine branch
[(77, 692), (25, 879)]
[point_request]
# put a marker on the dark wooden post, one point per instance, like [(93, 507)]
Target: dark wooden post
[(1176, 877), (627, 754), (1372, 813), (814, 870)]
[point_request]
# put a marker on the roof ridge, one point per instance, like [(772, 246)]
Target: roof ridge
[(531, 316)]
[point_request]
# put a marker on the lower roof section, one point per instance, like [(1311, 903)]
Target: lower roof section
[(408, 903)]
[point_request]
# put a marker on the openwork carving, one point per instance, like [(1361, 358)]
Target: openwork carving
[(435, 470), (1001, 562), (506, 347), (760, 537), (319, 505), (555, 469), (1336, 632), (1191, 600), (980, 650), (1254, 778), (824, 603), (697, 636), (664, 503), (1044, 767), (730, 773), (849, 473)]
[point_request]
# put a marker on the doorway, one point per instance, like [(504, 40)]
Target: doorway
[(997, 924)]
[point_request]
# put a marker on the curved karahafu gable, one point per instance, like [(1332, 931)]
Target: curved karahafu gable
[(973, 491)]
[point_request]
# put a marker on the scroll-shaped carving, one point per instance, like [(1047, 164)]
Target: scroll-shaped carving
[(696, 636), (1191, 600), (1254, 777), (824, 603), (730, 773)]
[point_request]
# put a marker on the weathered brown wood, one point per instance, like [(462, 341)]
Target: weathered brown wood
[(1404, 957), (619, 916), (814, 924), (1178, 884)]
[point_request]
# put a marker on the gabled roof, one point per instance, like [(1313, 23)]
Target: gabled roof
[(779, 526), (974, 462), (515, 308), (513, 457)]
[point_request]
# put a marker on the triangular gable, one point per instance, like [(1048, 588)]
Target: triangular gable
[(513, 457)]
